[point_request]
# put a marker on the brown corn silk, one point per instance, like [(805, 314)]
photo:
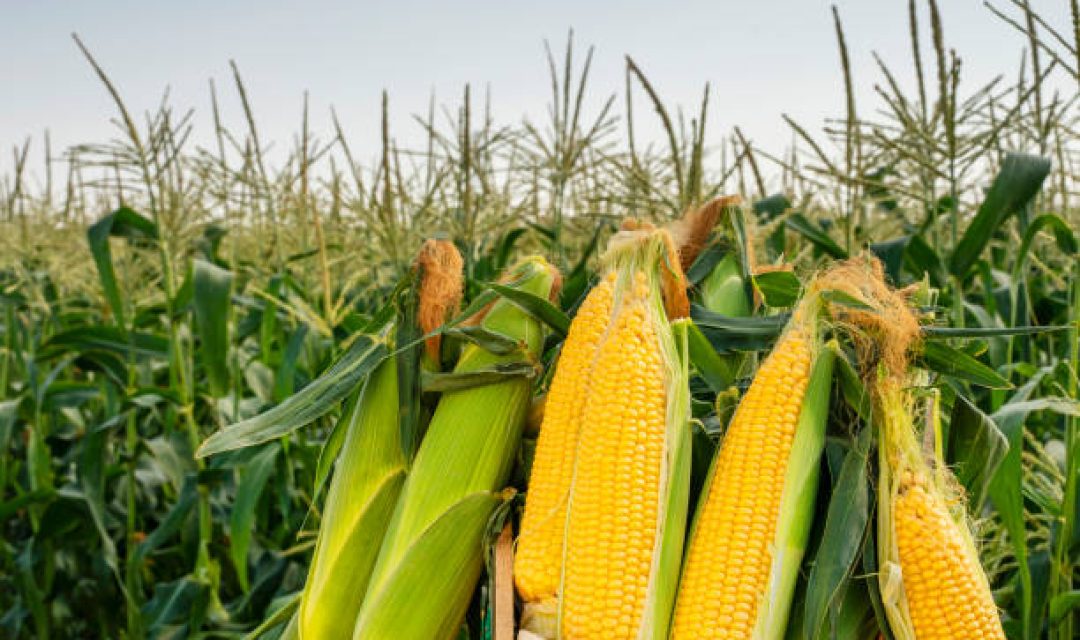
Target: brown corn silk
[(691, 232), (441, 281)]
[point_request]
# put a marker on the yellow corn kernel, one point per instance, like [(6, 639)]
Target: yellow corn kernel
[(728, 565), (538, 560), (616, 503), (947, 593)]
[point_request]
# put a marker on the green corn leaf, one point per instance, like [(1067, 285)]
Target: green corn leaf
[(730, 333), (536, 306), (1020, 178), (921, 259), (284, 615), (891, 253), (975, 450), (457, 381), (91, 472), (124, 223), (88, 339), (1063, 604), (946, 360), (706, 262), (944, 333), (816, 235), (778, 288), (717, 371), (1006, 493), (253, 477), (770, 207), (285, 374), (36, 497), (311, 402), (845, 529), (1063, 236), (212, 286), (172, 522), (488, 340)]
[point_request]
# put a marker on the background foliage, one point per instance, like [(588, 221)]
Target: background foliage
[(159, 291)]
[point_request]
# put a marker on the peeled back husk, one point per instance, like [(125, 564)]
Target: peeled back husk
[(649, 288)]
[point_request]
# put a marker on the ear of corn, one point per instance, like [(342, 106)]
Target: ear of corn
[(751, 528), (432, 555), (932, 583), (538, 559), (365, 487), (610, 555)]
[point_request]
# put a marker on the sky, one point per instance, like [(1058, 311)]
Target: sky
[(763, 59)]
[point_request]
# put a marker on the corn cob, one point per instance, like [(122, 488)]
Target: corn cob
[(432, 554), (942, 591), (371, 467), (539, 553), (611, 557), (751, 528), (931, 582)]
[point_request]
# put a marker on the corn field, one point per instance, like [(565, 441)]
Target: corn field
[(552, 379)]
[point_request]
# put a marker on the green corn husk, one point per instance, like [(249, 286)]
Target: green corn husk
[(369, 477), (432, 556), (797, 505), (724, 290)]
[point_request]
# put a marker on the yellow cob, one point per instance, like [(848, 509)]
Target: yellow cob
[(947, 593), (751, 528), (727, 567), (612, 532), (539, 553), (624, 525)]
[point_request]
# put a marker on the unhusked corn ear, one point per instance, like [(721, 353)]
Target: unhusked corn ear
[(370, 472), (627, 512), (947, 592), (432, 554), (539, 553), (751, 526)]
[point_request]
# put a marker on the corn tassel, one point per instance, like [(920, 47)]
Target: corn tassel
[(432, 555), (751, 528)]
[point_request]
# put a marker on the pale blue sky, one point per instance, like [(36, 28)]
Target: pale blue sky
[(763, 58)]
